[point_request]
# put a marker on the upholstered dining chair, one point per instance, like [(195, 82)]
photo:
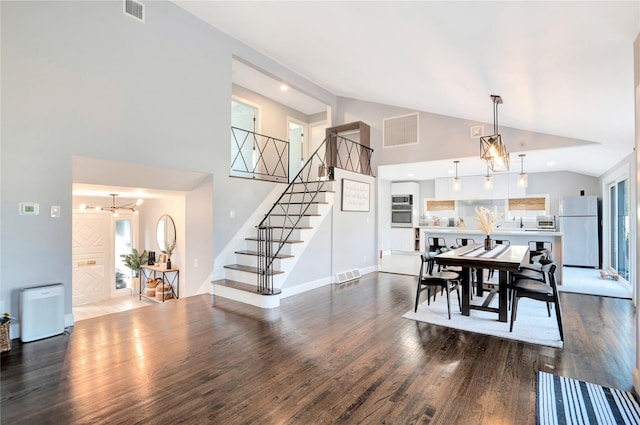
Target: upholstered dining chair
[(536, 290), (429, 279)]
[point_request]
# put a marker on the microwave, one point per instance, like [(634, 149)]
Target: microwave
[(401, 200)]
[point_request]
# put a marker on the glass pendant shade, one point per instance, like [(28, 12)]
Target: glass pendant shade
[(523, 180), (456, 183), (488, 181)]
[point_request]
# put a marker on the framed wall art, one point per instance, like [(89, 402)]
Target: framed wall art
[(355, 195)]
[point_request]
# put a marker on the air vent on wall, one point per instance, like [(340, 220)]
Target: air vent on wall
[(134, 9), (400, 131), (348, 275)]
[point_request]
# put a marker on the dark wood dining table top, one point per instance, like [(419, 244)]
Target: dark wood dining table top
[(508, 258), (504, 258)]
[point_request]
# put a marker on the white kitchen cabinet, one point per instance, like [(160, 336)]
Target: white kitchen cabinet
[(500, 186), (406, 188), (443, 187), (402, 239), (472, 188)]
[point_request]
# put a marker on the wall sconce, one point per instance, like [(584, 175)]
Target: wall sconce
[(492, 149), (523, 180), (488, 181), (457, 183)]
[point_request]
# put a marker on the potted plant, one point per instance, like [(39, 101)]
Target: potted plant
[(134, 261)]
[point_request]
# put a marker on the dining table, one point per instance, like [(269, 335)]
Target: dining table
[(504, 258)]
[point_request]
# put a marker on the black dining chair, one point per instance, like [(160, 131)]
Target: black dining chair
[(464, 241), (436, 244), (536, 290), (429, 279), (537, 248)]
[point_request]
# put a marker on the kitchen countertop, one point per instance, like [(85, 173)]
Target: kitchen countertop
[(499, 231)]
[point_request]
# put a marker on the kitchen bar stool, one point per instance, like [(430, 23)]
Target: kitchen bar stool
[(435, 244)]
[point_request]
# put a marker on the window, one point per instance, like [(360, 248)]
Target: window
[(619, 227)]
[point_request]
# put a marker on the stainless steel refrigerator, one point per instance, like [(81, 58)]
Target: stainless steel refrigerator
[(580, 224)]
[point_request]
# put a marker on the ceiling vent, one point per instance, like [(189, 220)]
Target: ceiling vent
[(134, 9), (348, 275), (400, 131)]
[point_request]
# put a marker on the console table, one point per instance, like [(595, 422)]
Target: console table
[(170, 276)]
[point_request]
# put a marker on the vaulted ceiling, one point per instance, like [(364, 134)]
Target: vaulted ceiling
[(562, 68)]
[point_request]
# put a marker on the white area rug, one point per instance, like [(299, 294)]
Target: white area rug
[(532, 325)]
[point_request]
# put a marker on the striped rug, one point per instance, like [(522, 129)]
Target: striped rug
[(568, 401)]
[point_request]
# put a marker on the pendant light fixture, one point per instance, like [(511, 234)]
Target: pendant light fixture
[(492, 149), (523, 180), (457, 183), (488, 181), (114, 208)]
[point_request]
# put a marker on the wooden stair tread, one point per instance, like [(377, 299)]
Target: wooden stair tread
[(290, 227), (255, 253), (312, 191), (302, 203), (249, 269), (241, 286), (275, 240), (295, 215)]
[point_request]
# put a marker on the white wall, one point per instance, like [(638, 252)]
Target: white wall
[(441, 137), (83, 79), (345, 240)]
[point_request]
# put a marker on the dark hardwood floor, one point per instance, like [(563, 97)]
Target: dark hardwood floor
[(338, 354)]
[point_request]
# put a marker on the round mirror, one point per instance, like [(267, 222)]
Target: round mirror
[(166, 233)]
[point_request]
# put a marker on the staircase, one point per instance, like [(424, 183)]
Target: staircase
[(292, 222)]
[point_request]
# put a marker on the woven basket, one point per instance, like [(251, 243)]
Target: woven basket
[(5, 341), (152, 283)]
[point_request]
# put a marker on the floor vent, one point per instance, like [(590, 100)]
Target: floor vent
[(348, 275), (134, 9), (400, 131)]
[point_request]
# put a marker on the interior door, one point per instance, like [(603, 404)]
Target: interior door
[(91, 256), (296, 148)]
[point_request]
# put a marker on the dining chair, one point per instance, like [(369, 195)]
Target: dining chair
[(436, 244), (460, 242), (539, 248), (464, 241), (536, 290), (429, 279)]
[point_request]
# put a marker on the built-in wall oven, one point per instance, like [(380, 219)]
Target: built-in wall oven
[(402, 211)]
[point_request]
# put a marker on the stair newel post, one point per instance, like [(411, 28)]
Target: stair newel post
[(269, 261), (265, 261)]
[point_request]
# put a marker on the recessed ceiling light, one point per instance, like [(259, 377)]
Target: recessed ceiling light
[(550, 163), (450, 171), (411, 174), (284, 87)]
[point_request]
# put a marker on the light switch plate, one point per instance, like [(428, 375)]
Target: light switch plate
[(29, 208), (55, 211)]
